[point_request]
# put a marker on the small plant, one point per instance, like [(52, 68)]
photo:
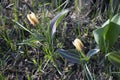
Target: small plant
[(78, 56), (43, 37), (106, 36)]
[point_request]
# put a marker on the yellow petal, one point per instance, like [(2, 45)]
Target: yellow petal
[(33, 19), (78, 44)]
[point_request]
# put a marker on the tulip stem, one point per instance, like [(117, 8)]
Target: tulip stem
[(82, 54)]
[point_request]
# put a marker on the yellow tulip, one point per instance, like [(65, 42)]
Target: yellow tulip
[(33, 19), (78, 44)]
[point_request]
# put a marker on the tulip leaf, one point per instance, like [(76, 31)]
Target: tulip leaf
[(70, 55), (92, 52), (107, 35), (114, 58), (56, 21)]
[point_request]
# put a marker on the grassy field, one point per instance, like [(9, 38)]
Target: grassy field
[(59, 40)]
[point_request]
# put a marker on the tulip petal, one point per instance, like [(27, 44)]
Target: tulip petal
[(32, 18), (78, 44)]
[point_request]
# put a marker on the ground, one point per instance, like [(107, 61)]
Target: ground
[(35, 61)]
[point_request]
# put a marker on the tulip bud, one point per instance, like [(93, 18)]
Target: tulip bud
[(33, 19), (48, 14), (78, 44)]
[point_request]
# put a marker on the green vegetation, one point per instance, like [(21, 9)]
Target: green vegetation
[(59, 40)]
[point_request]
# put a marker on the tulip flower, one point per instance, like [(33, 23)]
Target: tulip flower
[(78, 44), (33, 19)]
